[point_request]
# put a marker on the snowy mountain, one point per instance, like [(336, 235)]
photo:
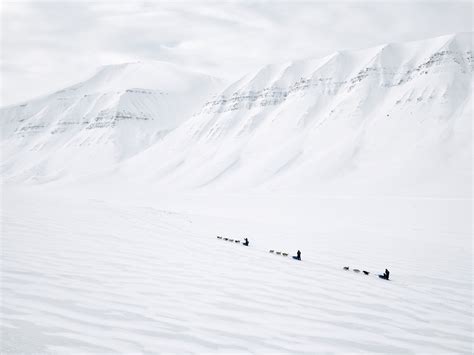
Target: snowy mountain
[(395, 117), (120, 111), (390, 119)]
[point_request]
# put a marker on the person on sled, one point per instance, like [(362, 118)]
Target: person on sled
[(298, 255), (385, 275)]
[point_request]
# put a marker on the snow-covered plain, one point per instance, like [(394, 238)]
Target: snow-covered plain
[(115, 190), (104, 272)]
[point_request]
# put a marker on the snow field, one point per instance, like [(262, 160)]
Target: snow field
[(128, 274)]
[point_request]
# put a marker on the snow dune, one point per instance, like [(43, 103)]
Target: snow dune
[(98, 273)]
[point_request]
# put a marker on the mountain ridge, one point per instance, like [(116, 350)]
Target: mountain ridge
[(252, 134), (121, 110), (320, 122)]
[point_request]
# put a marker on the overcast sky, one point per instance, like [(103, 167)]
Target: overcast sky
[(47, 45)]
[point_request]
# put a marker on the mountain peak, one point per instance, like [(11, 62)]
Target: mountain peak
[(310, 121), (154, 75)]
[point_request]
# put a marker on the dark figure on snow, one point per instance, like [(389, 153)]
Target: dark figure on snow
[(246, 243), (298, 255), (385, 275)]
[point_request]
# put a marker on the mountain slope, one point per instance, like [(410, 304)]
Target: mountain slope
[(120, 111), (395, 117)]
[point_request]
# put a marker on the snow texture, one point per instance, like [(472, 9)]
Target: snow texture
[(96, 272)]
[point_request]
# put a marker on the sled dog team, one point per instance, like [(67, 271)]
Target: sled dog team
[(384, 276)]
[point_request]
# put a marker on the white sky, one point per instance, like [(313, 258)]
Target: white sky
[(47, 45)]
